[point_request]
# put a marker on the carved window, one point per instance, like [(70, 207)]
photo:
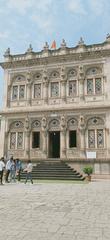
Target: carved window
[(15, 92), (20, 140), (100, 138), (54, 89), (90, 86), (96, 138), (13, 140), (98, 86), (37, 90), (16, 140), (72, 88), (18, 92), (91, 138), (94, 86), (21, 91)]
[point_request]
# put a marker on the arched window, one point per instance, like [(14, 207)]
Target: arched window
[(94, 81), (95, 133), (18, 88), (72, 82), (16, 135)]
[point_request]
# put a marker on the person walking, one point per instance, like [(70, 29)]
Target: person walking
[(28, 171), (2, 167), (8, 168), (13, 171), (18, 169)]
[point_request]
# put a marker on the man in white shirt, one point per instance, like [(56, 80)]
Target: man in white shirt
[(8, 168), (28, 171), (2, 167)]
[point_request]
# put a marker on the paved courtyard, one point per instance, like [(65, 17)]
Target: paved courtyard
[(55, 211)]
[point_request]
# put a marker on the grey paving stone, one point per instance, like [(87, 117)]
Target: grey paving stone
[(55, 211)]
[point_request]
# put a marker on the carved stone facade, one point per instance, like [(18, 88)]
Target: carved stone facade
[(57, 104)]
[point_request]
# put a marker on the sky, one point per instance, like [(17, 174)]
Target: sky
[(38, 21)]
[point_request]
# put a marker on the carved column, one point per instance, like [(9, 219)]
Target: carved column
[(44, 143), (81, 82), (63, 83), (63, 144), (44, 136), (29, 84), (45, 85), (81, 127), (45, 92), (6, 143), (8, 96), (63, 91), (63, 137), (27, 144), (27, 138)]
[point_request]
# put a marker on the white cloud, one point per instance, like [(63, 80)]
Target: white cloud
[(44, 23), (76, 7), (97, 6), (22, 6), (4, 35)]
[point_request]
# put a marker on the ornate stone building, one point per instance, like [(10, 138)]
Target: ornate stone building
[(57, 105)]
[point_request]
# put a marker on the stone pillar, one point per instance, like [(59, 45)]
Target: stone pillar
[(63, 144), (27, 138), (29, 84), (63, 137), (81, 127), (44, 143), (63, 91), (63, 83), (45, 85), (44, 137), (27, 145), (81, 89), (45, 92), (9, 96), (81, 82), (6, 143)]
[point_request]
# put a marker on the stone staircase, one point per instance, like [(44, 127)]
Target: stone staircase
[(54, 171)]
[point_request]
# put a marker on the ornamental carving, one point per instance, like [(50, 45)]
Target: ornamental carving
[(72, 123), (36, 124), (54, 123), (93, 71), (45, 75), (27, 124), (44, 123), (71, 73), (62, 73), (63, 122), (95, 121), (16, 125), (81, 123), (54, 75), (81, 72)]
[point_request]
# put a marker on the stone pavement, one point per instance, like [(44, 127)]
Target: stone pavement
[(55, 211)]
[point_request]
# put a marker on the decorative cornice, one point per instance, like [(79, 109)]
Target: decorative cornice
[(79, 53)]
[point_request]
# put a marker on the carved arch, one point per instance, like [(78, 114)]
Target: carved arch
[(93, 70), (36, 124), (95, 121), (16, 125), (71, 73), (72, 123), (54, 123), (54, 74)]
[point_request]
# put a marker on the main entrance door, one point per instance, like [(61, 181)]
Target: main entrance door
[(54, 144)]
